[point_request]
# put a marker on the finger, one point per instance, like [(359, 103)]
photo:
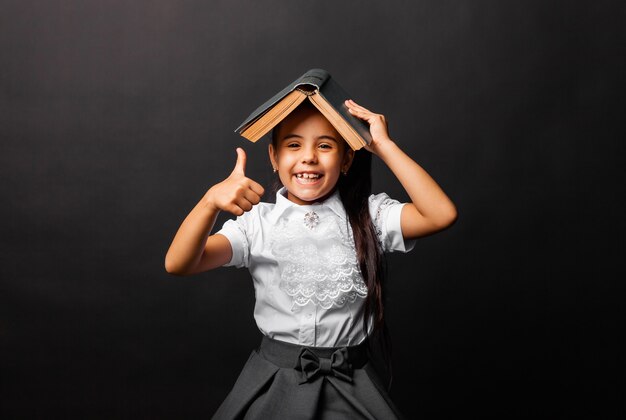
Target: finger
[(357, 106), (240, 166), (364, 115), (257, 188), (371, 117), (359, 111), (251, 196), (234, 209), (244, 204)]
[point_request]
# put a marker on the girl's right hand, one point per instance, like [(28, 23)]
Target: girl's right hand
[(237, 193)]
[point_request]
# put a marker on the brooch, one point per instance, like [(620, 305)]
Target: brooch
[(311, 220)]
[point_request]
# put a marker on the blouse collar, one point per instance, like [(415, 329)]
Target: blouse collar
[(283, 203)]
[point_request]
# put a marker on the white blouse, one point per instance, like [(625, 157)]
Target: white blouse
[(308, 285)]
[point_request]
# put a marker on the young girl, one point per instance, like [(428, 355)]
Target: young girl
[(315, 257)]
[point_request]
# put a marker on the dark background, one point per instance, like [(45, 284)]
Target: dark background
[(117, 116)]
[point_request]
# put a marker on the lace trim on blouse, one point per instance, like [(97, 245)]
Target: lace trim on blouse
[(319, 265), (378, 225)]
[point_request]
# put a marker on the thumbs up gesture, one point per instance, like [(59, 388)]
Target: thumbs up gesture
[(237, 193)]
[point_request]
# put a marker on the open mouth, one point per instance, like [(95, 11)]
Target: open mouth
[(308, 178)]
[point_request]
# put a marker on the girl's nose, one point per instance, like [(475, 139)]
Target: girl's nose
[(309, 155)]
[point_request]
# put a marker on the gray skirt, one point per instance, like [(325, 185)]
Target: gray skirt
[(286, 381)]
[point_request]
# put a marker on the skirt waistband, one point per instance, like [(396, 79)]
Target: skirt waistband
[(287, 355)]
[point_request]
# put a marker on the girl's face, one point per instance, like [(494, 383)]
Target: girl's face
[(309, 155)]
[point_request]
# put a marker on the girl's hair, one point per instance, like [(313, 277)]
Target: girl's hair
[(354, 190)]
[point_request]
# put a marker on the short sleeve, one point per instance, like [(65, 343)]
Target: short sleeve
[(236, 233), (385, 213)]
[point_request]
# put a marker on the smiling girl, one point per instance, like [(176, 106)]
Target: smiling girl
[(315, 256)]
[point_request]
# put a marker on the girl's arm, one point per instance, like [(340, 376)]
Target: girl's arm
[(193, 250), (431, 210)]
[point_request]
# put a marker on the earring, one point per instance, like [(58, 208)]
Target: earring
[(345, 172), (275, 170)]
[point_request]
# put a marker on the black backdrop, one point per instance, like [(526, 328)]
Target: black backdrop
[(116, 117)]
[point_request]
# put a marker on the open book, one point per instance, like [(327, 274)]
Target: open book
[(328, 97)]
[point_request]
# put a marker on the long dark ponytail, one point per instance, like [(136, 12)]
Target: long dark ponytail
[(355, 188)]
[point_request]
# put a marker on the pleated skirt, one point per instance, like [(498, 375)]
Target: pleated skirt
[(286, 381)]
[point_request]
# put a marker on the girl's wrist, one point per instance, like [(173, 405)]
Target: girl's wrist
[(382, 146), (208, 203)]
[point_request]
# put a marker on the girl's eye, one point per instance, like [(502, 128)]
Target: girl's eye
[(325, 146), (292, 145)]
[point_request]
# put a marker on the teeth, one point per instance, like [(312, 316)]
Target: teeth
[(307, 176)]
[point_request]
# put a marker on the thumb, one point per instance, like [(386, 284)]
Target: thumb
[(240, 166)]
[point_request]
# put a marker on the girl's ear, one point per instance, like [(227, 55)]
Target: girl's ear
[(348, 156), (271, 152)]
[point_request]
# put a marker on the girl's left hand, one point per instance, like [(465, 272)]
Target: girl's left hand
[(377, 122)]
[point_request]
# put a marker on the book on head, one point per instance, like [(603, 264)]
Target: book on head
[(325, 93)]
